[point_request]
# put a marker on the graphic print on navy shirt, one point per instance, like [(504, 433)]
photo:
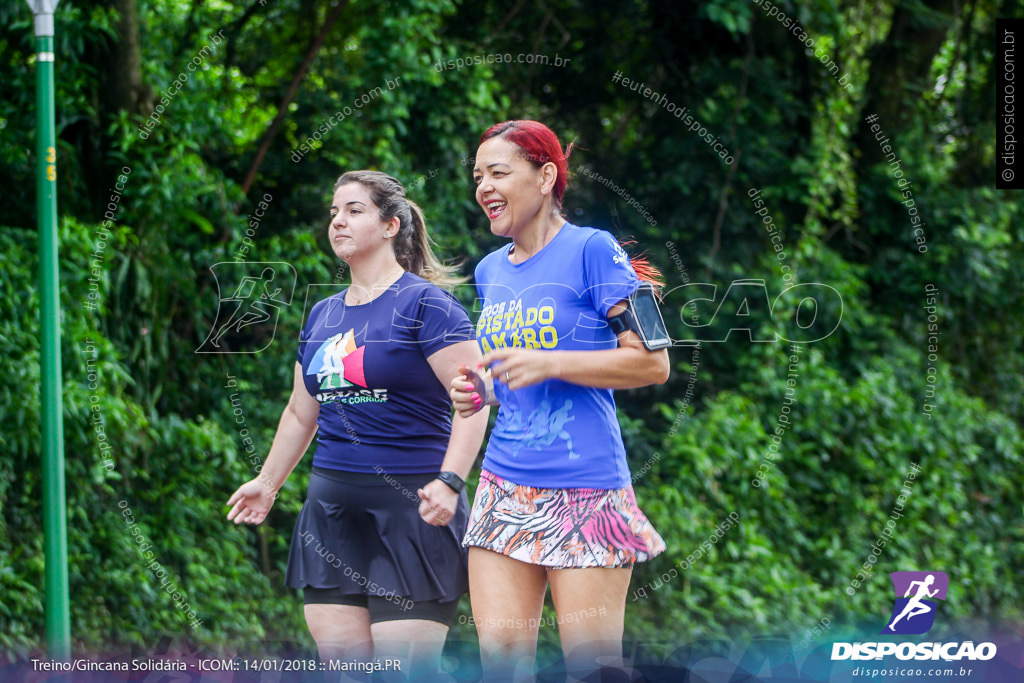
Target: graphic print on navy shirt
[(338, 364), (381, 405), (555, 434)]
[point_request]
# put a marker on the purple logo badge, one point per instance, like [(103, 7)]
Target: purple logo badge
[(914, 609)]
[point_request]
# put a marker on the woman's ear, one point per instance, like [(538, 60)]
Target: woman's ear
[(549, 174)]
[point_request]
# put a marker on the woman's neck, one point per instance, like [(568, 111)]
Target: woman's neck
[(536, 236), (371, 277)]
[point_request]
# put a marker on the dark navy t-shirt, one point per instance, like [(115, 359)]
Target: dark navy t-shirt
[(381, 405)]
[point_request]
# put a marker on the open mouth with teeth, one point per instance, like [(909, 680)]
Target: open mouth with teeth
[(495, 209)]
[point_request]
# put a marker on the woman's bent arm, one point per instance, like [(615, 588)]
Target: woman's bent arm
[(627, 367), (438, 500)]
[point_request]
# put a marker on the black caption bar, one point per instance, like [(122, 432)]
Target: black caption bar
[(1009, 130)]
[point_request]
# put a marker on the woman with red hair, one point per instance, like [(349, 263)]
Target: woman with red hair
[(554, 505)]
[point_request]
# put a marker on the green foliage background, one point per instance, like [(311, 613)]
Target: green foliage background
[(924, 67)]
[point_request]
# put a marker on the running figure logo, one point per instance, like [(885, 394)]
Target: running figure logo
[(247, 317), (544, 426), (913, 612)]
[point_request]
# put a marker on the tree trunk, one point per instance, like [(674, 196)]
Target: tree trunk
[(900, 71), (119, 87), (123, 89)]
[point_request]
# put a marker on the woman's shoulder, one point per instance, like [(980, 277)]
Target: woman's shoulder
[(596, 243), (585, 234), (414, 284), (589, 243), (418, 289), (578, 237)]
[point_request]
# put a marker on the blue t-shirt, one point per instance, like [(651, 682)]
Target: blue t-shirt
[(555, 434), (381, 405)]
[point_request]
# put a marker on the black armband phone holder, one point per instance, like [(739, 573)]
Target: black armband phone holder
[(643, 317)]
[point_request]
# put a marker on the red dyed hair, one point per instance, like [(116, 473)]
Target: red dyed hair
[(539, 145), (645, 270)]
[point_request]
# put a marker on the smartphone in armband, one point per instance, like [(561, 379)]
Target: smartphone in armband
[(643, 316)]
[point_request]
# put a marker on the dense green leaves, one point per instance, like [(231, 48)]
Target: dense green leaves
[(159, 137)]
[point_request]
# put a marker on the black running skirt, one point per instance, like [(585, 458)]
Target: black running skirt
[(362, 533)]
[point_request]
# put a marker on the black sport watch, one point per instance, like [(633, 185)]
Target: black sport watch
[(454, 481)]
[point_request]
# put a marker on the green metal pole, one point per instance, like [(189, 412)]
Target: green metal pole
[(55, 532)]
